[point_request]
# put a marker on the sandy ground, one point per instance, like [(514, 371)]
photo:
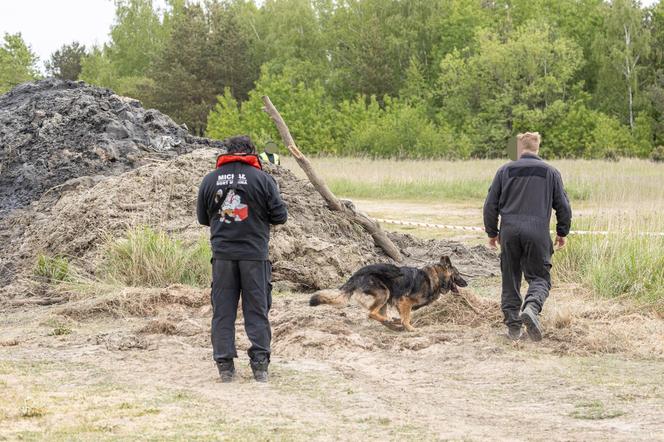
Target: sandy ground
[(469, 214), (130, 364), (75, 371)]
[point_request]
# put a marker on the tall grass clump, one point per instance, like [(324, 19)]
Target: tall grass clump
[(53, 268), (145, 257), (619, 264)]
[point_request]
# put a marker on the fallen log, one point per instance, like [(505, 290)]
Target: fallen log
[(333, 203)]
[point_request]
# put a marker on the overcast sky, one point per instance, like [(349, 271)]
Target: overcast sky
[(48, 24)]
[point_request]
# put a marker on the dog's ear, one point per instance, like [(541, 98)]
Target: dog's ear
[(445, 261)]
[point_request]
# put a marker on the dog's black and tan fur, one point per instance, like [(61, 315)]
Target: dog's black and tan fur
[(405, 288)]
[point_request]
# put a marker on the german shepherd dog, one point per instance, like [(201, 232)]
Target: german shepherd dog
[(405, 288)]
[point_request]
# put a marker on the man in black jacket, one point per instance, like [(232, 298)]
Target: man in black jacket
[(523, 193), (239, 202)]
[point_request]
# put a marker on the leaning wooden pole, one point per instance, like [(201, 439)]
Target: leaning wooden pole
[(371, 226)]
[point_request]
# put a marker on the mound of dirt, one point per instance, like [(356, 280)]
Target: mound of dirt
[(316, 248), (53, 130), (80, 164)]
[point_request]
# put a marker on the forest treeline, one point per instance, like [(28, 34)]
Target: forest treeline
[(389, 78)]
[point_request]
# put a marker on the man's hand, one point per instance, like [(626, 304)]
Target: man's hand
[(560, 242), (494, 242)]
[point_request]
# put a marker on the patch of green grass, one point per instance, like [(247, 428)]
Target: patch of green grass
[(183, 396), (60, 330), (412, 190), (620, 264), (431, 190), (594, 410), (578, 191), (145, 257), (53, 268), (374, 420), (148, 411), (597, 182), (58, 326)]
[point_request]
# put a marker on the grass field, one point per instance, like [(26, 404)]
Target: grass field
[(631, 183), (624, 197)]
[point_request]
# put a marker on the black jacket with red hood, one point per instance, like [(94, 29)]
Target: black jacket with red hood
[(239, 201)]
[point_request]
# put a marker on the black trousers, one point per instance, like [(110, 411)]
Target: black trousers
[(525, 250), (252, 281)]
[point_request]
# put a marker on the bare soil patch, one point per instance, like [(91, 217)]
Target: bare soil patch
[(336, 375)]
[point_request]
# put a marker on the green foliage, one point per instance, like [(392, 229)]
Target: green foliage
[(445, 78), (96, 68), (137, 36), (620, 48), (657, 154), (506, 84), (208, 49), (594, 410), (53, 268), (309, 113), (18, 63), (224, 119), (401, 131), (149, 258), (355, 127), (65, 63)]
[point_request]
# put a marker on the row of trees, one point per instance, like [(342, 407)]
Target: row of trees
[(447, 78)]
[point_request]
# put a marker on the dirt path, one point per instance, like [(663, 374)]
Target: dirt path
[(335, 375)]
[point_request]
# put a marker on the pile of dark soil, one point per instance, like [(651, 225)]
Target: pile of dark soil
[(52, 131)]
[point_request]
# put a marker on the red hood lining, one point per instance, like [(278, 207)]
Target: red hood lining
[(249, 159)]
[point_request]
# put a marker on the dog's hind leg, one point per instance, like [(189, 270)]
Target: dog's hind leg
[(378, 309), (393, 321), (405, 307)]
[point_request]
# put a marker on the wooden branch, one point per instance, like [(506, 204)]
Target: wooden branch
[(378, 234), (371, 226), (332, 201)]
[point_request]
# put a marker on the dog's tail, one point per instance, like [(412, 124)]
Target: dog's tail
[(330, 296)]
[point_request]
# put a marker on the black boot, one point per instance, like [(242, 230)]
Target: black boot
[(226, 370), (533, 327), (260, 370), (514, 332)]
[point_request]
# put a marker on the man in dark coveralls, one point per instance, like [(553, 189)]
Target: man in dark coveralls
[(239, 202), (523, 193)]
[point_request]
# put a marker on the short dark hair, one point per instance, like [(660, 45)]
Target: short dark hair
[(240, 144)]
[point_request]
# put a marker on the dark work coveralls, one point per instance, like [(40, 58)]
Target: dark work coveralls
[(523, 193), (239, 202)]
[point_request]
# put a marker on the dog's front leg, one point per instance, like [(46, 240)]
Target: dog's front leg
[(405, 307)]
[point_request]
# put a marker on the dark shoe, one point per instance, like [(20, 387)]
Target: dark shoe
[(514, 332), (260, 370), (530, 319), (226, 371)]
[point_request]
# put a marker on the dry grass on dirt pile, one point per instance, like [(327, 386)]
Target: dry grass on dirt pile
[(317, 248)]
